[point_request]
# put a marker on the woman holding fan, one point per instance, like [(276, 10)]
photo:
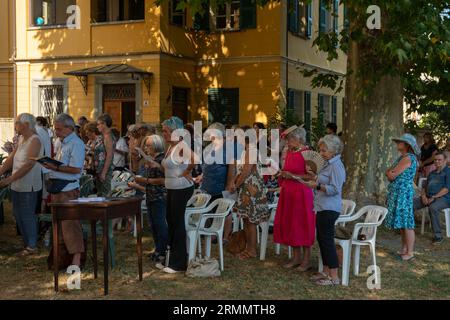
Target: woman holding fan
[(295, 220)]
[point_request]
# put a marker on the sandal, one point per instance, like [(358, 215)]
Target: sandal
[(328, 282), (244, 255), (318, 276), (301, 268), (27, 251), (291, 265), (407, 259)]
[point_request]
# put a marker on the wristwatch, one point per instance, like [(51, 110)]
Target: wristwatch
[(318, 187)]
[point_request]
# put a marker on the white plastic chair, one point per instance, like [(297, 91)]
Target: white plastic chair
[(197, 201), (265, 231), (115, 175), (423, 211), (220, 209), (237, 222), (447, 221), (374, 216), (143, 211), (348, 208)]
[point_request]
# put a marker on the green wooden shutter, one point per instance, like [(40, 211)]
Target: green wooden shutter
[(346, 22), (336, 16), (323, 17), (223, 105), (290, 99), (293, 16), (321, 102), (321, 108), (201, 22), (309, 20), (334, 109), (247, 14), (307, 110)]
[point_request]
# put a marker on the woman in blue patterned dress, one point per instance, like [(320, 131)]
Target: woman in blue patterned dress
[(401, 192)]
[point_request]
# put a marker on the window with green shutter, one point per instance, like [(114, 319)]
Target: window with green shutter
[(223, 105), (290, 99), (336, 16), (201, 21), (346, 22), (323, 17), (321, 102), (293, 16), (309, 20), (334, 109), (248, 14), (307, 116)]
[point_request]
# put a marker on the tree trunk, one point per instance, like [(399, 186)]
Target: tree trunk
[(369, 125)]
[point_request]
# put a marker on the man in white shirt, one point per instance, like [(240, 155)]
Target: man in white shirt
[(120, 154), (47, 145)]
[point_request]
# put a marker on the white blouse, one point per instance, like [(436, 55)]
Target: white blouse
[(32, 181), (173, 169)]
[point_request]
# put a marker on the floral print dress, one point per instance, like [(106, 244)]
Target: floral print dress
[(400, 198), (252, 200), (97, 158)]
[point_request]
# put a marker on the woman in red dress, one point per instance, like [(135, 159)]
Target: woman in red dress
[(295, 219)]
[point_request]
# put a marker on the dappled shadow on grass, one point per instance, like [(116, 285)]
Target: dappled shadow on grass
[(424, 278)]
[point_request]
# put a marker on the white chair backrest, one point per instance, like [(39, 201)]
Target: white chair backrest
[(276, 196), (125, 176), (197, 191), (116, 175), (223, 206), (373, 214), (348, 207), (421, 183), (199, 200)]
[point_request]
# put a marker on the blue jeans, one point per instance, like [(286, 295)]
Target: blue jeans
[(158, 224), (24, 209)]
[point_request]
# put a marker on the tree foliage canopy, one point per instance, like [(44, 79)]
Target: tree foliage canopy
[(413, 43)]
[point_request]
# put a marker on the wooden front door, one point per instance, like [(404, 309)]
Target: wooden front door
[(114, 109), (120, 103), (180, 98)]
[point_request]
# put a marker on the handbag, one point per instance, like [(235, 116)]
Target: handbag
[(55, 186), (237, 242), (203, 268)]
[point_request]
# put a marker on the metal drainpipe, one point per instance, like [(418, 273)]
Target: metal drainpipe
[(13, 58), (287, 55)]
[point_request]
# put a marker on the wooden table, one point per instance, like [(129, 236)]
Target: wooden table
[(95, 211)]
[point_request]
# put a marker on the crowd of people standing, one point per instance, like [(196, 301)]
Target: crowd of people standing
[(309, 202)]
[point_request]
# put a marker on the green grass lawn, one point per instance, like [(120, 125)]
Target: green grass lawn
[(427, 277)]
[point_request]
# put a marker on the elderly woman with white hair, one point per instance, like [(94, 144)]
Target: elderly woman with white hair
[(177, 165), (295, 220), (152, 183), (328, 205), (26, 180)]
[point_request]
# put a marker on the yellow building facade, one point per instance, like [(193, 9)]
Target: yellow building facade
[(140, 62)]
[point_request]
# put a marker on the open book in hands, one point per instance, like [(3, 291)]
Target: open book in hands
[(46, 160)]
